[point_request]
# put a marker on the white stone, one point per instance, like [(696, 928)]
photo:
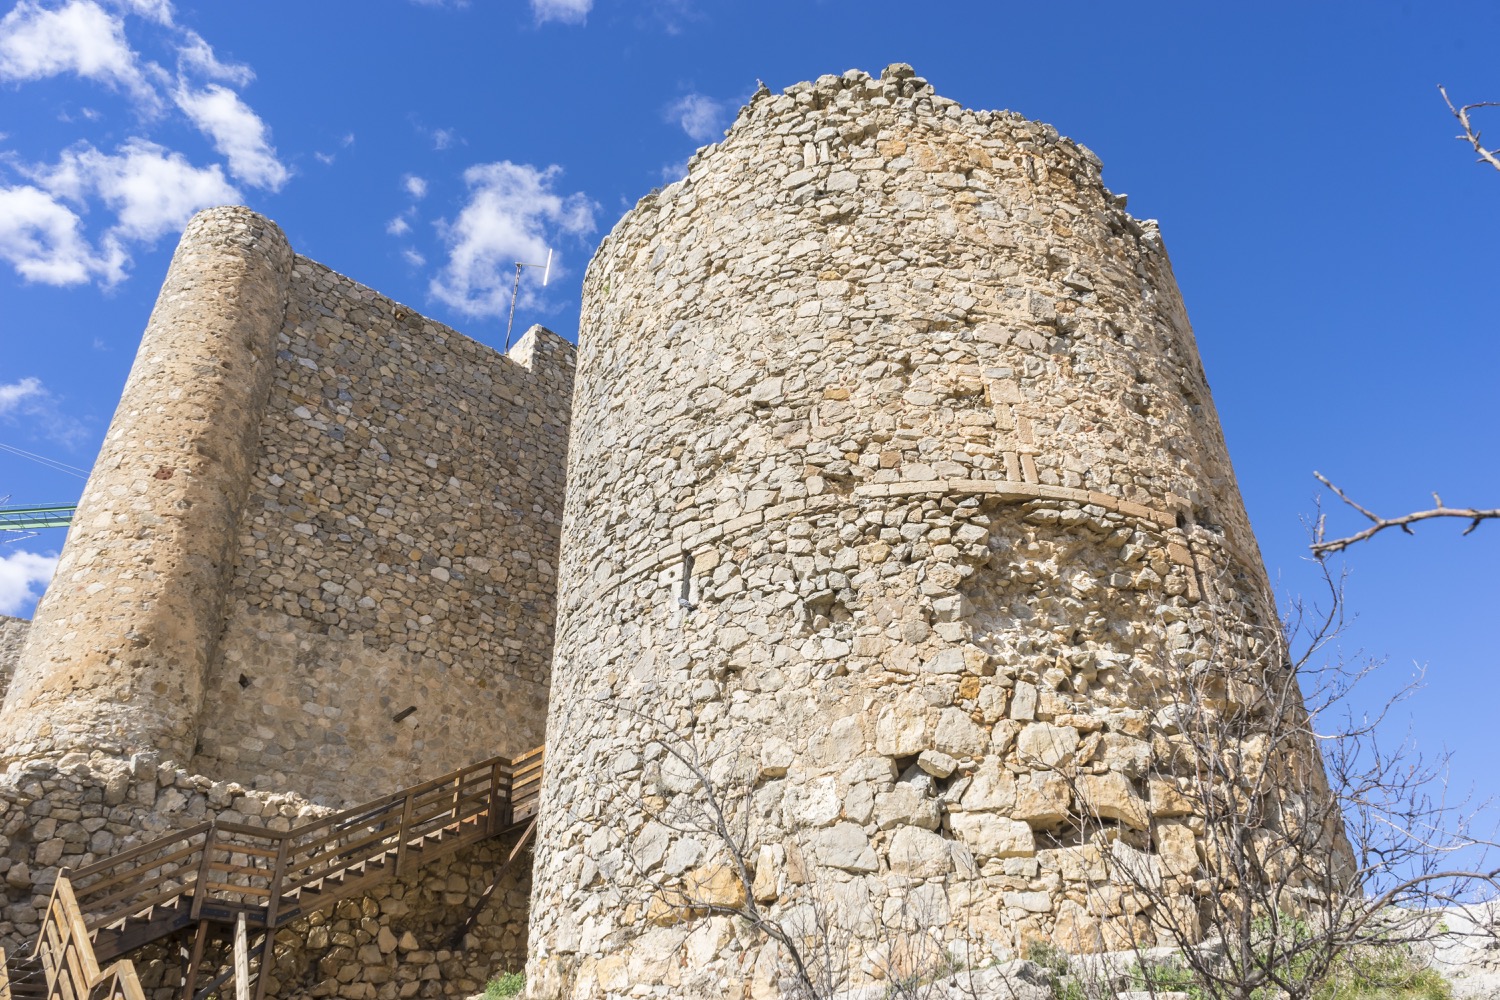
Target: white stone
[(991, 836)]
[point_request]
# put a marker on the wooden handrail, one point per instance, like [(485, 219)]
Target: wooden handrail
[(467, 804), (66, 955)]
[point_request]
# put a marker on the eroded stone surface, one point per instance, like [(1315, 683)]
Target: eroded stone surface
[(893, 466)]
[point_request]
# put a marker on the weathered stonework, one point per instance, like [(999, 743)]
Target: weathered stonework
[(12, 636), (895, 492), (315, 510), (395, 943), (895, 484), (315, 562)]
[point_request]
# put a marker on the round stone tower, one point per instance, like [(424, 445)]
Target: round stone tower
[(895, 487), (121, 642)]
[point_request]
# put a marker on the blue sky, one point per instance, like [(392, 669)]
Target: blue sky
[(1335, 245)]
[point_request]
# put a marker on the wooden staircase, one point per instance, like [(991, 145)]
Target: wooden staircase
[(233, 878)]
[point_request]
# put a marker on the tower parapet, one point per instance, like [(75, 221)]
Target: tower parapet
[(894, 485)]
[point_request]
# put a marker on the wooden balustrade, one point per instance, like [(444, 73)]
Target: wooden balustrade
[(65, 954), (241, 874)]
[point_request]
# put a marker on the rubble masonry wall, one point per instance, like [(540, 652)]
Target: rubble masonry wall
[(318, 550), (895, 483)]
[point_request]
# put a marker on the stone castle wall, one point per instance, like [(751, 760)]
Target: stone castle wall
[(12, 636), (317, 552), (314, 511), (895, 486), (397, 551)]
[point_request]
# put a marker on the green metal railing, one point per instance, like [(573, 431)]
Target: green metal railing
[(32, 518)]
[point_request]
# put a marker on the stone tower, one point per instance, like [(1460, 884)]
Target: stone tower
[(284, 571), (894, 481)]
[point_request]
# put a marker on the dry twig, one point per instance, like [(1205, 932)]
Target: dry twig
[(1471, 135), (1321, 547)]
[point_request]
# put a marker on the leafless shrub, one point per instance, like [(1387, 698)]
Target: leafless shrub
[(1285, 835)]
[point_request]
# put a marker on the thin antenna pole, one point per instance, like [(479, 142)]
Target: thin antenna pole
[(514, 292)]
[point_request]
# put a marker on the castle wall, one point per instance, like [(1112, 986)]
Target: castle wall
[(318, 549), (895, 488), (397, 551), (12, 637)]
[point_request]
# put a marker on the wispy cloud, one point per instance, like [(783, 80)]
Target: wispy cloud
[(700, 116), (511, 212), (197, 55), (43, 240), (151, 189), (13, 394), (80, 38), (28, 404), (23, 577), (565, 11), (415, 186), (237, 133), (52, 228)]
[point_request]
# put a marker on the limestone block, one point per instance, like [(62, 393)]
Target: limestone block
[(935, 762), (715, 885), (958, 735), (993, 789), (1111, 796), (1041, 743), (1176, 846), (1042, 799), (1167, 798), (919, 853), (1024, 702), (845, 846), (901, 729), (990, 836), (906, 805)]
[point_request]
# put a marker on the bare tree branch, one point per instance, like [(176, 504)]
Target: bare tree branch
[(1322, 547), (1471, 135)]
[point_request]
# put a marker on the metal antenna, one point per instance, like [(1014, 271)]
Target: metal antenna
[(516, 291)]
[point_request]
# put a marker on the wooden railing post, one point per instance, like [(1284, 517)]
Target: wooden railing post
[(403, 834), (493, 824), (200, 885), (273, 902)]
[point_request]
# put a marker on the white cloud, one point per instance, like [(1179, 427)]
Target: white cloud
[(28, 404), (700, 116), (196, 54), (511, 207), (415, 186), (237, 132), (152, 190), (13, 393), (23, 577), (566, 11), (398, 226), (159, 11), (413, 258), (79, 37), (43, 240)]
